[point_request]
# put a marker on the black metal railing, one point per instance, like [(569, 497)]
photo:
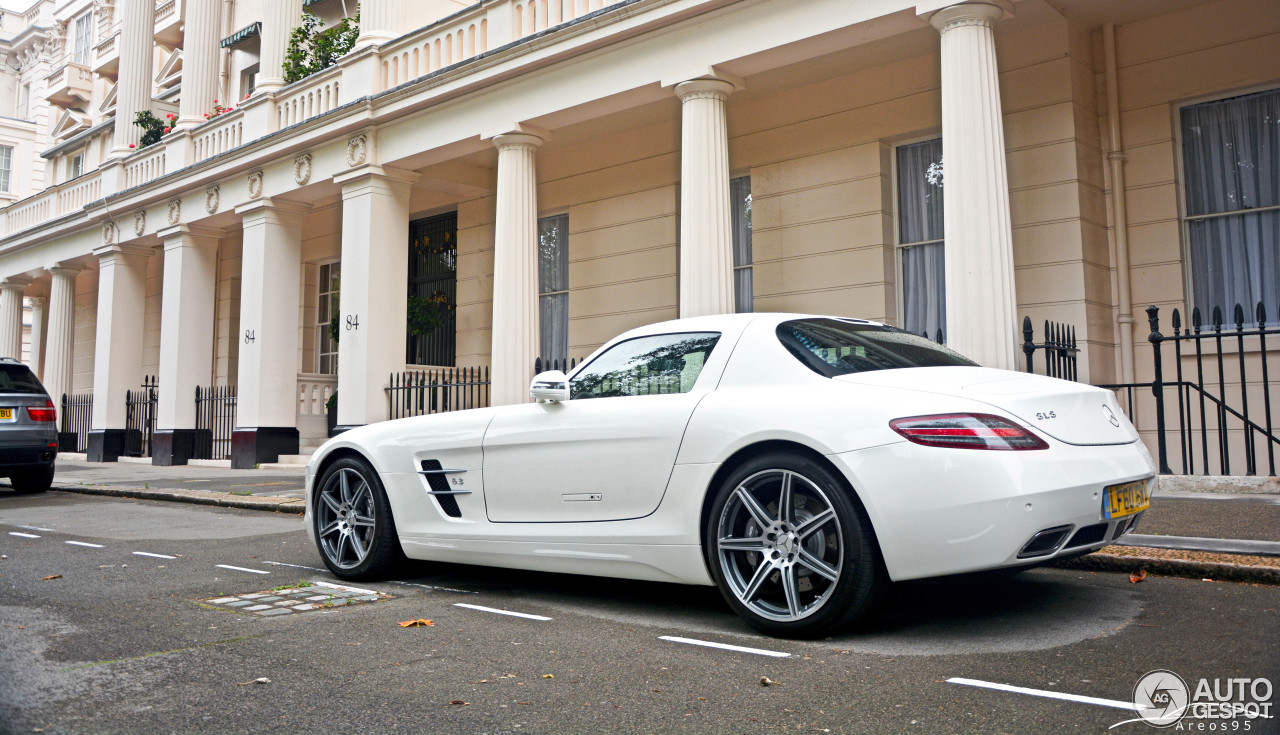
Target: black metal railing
[(542, 364), (420, 392), (1059, 348), (77, 417), (215, 420), (140, 418), (1212, 407)]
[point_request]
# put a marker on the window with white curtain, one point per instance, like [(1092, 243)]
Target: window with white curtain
[(1231, 224), (327, 308), (553, 287), (920, 239), (740, 211), (84, 38), (6, 166)]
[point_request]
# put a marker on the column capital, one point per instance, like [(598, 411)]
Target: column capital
[(15, 283), (371, 171), (518, 140), (266, 206), (60, 269), (705, 88), (38, 302), (948, 14), (182, 235)]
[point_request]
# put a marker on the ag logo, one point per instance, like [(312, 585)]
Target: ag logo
[(1110, 416), (1160, 698)]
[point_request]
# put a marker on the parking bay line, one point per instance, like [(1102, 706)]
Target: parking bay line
[(20, 534), (725, 646), (240, 569), (1042, 693), (496, 611), (85, 543), (156, 556)]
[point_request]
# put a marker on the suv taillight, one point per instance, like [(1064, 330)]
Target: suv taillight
[(967, 431), (48, 413)]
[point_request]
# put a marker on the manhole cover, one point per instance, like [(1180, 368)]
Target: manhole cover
[(298, 598)]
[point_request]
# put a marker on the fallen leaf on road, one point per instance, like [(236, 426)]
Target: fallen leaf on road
[(1138, 576), (548, 676), (53, 576), (767, 682), (458, 701), (419, 623), (259, 680)]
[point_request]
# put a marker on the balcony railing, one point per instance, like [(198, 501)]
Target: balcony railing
[(313, 96), (144, 166), (219, 135)]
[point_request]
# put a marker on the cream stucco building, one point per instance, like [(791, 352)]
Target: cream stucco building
[(537, 175)]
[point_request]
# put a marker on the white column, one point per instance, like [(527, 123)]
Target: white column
[(373, 304), (981, 305), (270, 281), (39, 320), (200, 58), (133, 90), (380, 21), (706, 234), (515, 270), (11, 317), (279, 18), (62, 327), (186, 338), (117, 360)]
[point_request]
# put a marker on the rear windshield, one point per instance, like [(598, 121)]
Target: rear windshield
[(16, 378), (833, 347)]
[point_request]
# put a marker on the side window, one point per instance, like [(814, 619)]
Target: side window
[(666, 363)]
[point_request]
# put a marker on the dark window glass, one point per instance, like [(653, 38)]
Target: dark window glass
[(832, 347), (433, 290), (665, 363), (18, 379)]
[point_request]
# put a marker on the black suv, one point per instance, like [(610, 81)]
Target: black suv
[(28, 429)]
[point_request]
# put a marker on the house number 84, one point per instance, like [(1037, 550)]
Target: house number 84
[(353, 322), (249, 336)]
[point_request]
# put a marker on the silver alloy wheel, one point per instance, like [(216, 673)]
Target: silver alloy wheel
[(345, 518), (779, 545)]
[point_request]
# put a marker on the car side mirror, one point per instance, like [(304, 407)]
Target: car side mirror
[(552, 386)]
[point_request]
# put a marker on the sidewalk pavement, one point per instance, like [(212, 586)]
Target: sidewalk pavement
[(1219, 534)]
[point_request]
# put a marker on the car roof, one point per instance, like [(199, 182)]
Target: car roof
[(726, 323)]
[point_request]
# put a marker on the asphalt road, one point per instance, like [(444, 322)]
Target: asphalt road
[(122, 642)]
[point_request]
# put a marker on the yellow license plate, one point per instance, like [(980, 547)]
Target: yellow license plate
[(6, 414), (1127, 499)]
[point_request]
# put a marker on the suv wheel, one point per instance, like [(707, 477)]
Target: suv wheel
[(33, 481)]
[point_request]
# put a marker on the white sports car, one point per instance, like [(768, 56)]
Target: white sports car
[(799, 463)]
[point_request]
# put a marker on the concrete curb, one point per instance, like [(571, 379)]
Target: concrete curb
[(198, 497), (1191, 564)]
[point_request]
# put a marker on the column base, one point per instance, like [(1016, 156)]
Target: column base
[(107, 445), (68, 441), (265, 444), (174, 446)]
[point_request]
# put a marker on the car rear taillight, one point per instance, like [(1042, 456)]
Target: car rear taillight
[(966, 431), (48, 413)]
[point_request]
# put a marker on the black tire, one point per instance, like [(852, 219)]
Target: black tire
[(34, 481), (341, 545), (844, 545)]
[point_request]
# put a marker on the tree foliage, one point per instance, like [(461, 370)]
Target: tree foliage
[(313, 47)]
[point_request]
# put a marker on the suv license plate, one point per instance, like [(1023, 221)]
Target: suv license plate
[(6, 414), (1127, 499)]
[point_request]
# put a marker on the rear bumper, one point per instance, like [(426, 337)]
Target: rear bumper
[(950, 511), (26, 457)]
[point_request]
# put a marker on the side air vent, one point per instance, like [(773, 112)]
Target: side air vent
[(439, 484)]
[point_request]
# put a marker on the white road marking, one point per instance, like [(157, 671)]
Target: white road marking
[(85, 543), (725, 646), (238, 569), (23, 535), (295, 566), (482, 608), (32, 528), (1041, 693), (157, 556), (389, 581), (330, 585)]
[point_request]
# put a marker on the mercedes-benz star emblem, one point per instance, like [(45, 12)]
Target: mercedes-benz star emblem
[(1111, 416)]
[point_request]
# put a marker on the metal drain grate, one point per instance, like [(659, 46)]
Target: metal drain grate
[(304, 597)]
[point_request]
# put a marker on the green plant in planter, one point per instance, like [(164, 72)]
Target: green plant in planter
[(313, 47), (334, 331), (332, 403), (427, 313), (153, 128)]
